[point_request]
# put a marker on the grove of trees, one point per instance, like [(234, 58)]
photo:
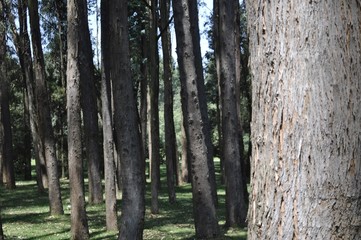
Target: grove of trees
[(276, 100)]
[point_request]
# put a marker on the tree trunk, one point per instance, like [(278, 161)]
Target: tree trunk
[(27, 136), (90, 109), (216, 43), (22, 43), (170, 138), (236, 209), (6, 157), (108, 139), (1, 228), (45, 127), (185, 166), (196, 119), (306, 162), (126, 124), (79, 223), (154, 144)]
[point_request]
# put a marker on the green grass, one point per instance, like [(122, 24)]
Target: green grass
[(25, 215)]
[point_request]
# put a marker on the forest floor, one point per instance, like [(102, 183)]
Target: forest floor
[(25, 215)]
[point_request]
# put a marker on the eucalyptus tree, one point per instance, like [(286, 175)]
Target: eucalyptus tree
[(6, 154), (42, 100), (170, 137), (228, 37), (126, 122), (306, 130), (195, 118), (79, 222), (108, 137)]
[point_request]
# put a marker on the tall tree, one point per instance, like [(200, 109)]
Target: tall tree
[(45, 127), (126, 123), (195, 116), (170, 138), (90, 109), (22, 43), (306, 155), (108, 139), (153, 105), (236, 209), (6, 158), (79, 223)]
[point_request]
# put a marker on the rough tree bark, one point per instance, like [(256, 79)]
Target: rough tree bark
[(22, 44), (43, 99), (6, 158), (79, 222), (306, 128), (154, 141), (236, 209), (196, 119), (170, 138), (89, 107), (126, 125), (108, 139)]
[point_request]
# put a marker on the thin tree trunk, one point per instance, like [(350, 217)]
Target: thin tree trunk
[(185, 165), (22, 44), (90, 109), (8, 174), (108, 139), (45, 127), (153, 107), (170, 139), (79, 222), (217, 42), (306, 156), (126, 124), (196, 119), (236, 209), (27, 136)]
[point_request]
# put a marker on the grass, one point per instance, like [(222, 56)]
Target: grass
[(25, 215)]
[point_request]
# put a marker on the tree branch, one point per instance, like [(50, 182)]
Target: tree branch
[(165, 27)]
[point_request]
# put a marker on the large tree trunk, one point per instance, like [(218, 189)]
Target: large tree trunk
[(236, 209), (306, 128), (43, 99), (196, 119), (170, 138), (108, 139), (154, 142), (126, 124), (90, 109), (79, 222)]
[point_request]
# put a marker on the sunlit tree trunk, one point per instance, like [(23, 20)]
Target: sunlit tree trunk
[(195, 118), (306, 128), (79, 222)]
